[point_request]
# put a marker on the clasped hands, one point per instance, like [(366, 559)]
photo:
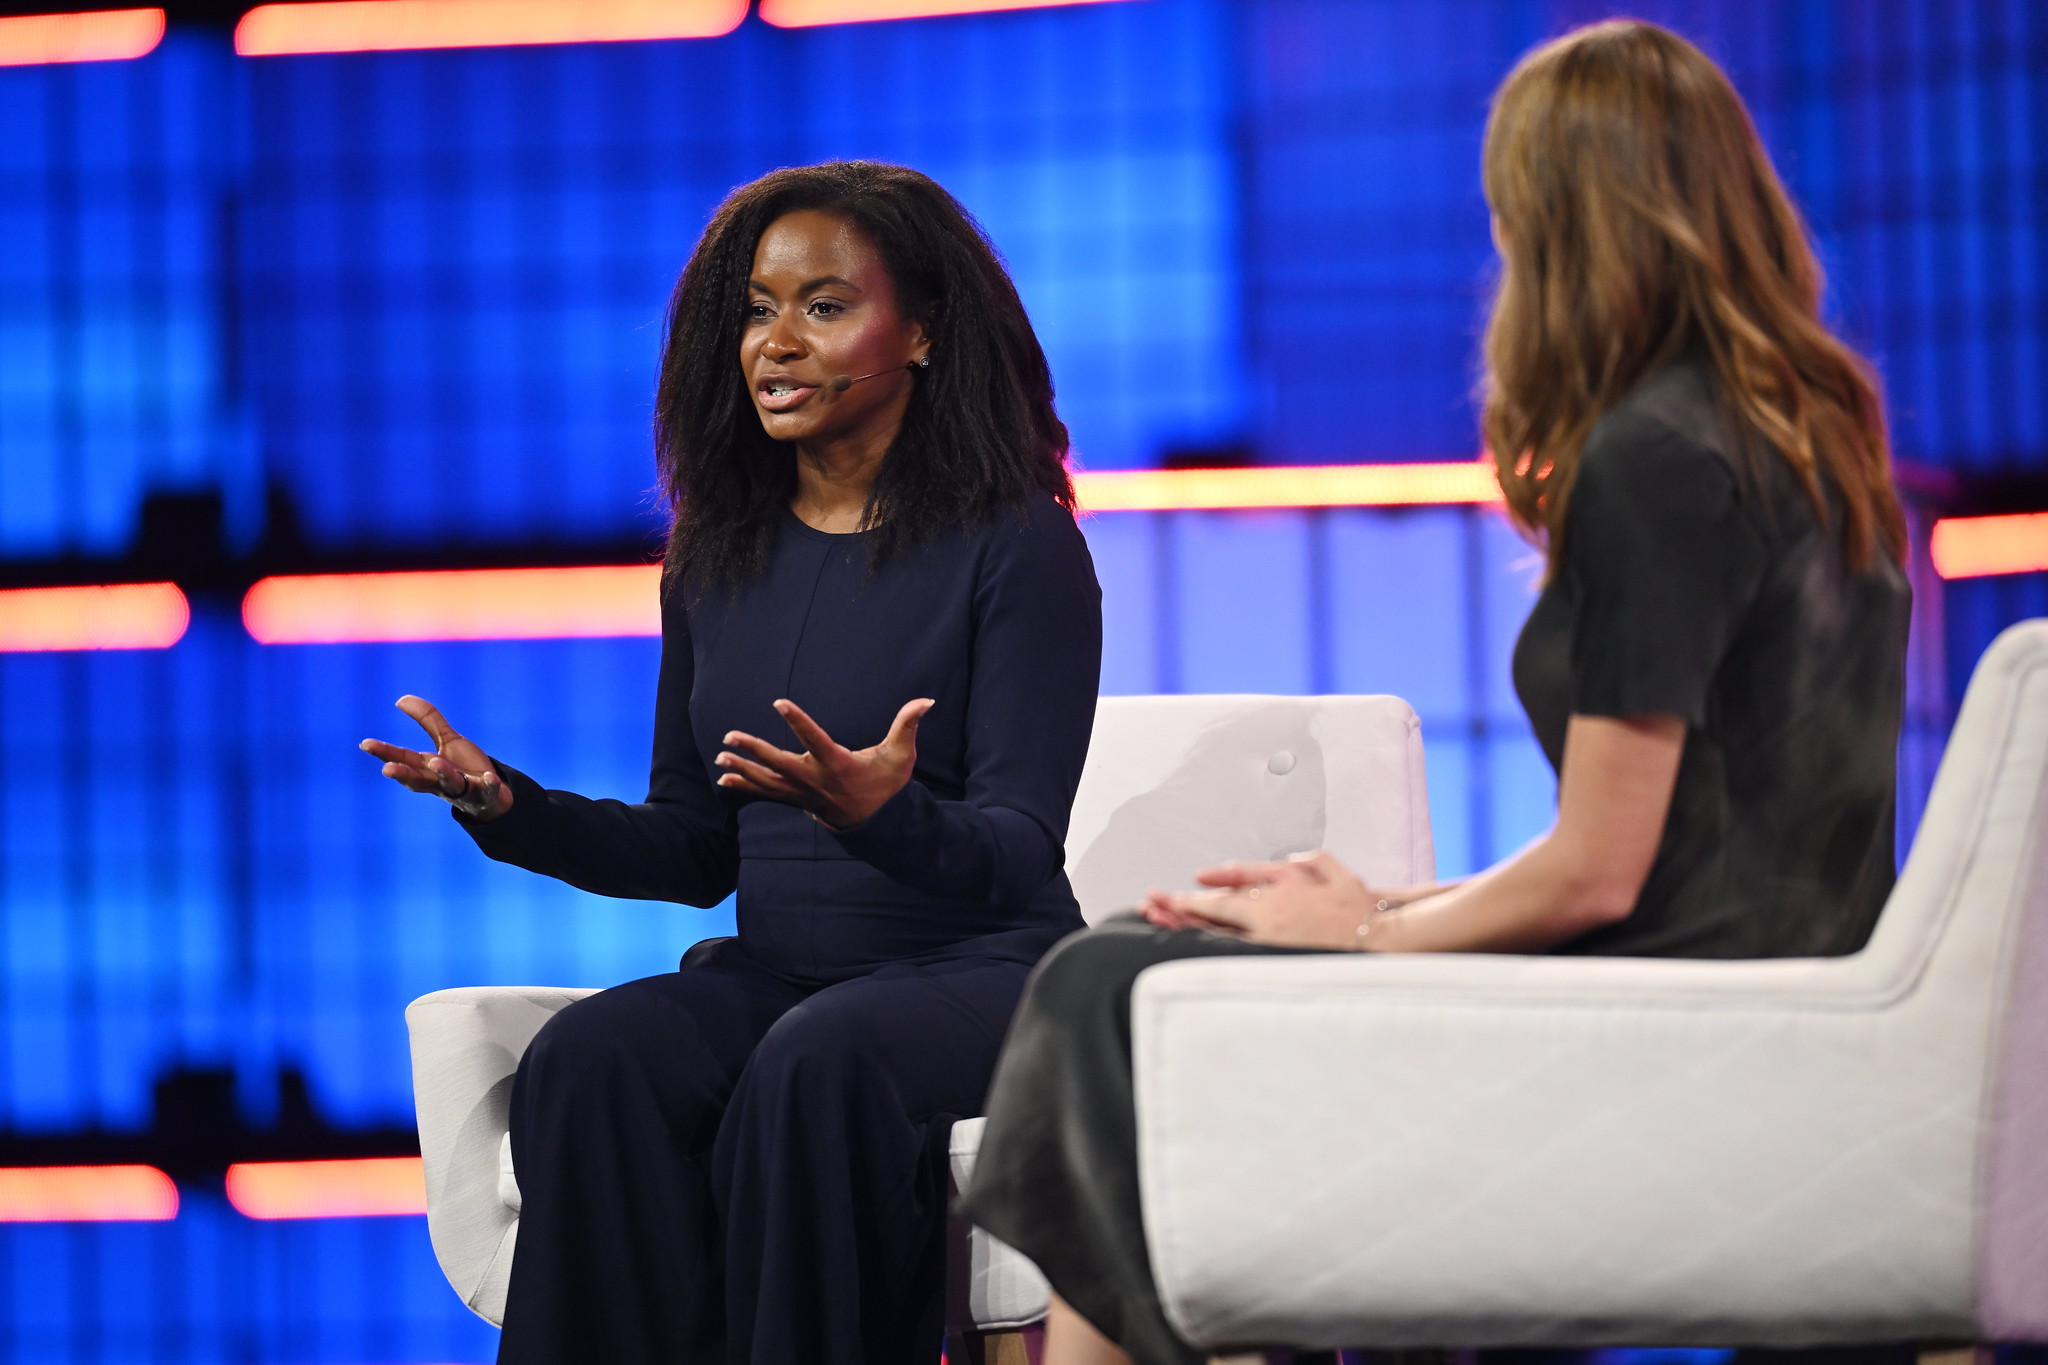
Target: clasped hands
[(1308, 901), (840, 787)]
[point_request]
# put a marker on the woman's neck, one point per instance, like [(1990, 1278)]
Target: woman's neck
[(834, 479)]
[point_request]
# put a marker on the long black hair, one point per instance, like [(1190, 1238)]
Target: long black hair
[(980, 432)]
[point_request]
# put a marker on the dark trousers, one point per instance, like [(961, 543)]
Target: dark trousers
[(720, 1165)]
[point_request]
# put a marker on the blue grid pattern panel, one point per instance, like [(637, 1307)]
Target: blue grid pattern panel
[(213, 1287), (1910, 131), (458, 261), (263, 900), (116, 355)]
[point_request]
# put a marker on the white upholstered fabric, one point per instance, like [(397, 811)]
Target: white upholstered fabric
[(991, 1287), (1172, 783), (1177, 783), (1479, 1150), (508, 1181), (466, 1043)]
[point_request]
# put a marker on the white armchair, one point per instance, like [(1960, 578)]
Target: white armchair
[(1483, 1150), (1171, 783)]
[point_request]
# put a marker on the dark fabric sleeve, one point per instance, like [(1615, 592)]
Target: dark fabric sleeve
[(681, 844), (1664, 563), (1036, 665)]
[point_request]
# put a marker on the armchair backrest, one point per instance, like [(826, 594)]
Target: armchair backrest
[(1977, 880), (1178, 783), (1963, 944)]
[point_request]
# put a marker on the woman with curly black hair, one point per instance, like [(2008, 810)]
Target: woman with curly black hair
[(881, 641)]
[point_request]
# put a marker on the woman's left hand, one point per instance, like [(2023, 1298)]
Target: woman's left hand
[(1309, 901), (840, 786)]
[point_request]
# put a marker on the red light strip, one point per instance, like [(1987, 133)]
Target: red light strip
[(1351, 485), (389, 25), (86, 1194), (805, 13), (109, 35), (471, 604), (375, 1187), (121, 616), (1973, 547)]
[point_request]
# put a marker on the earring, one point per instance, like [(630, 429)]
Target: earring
[(924, 362)]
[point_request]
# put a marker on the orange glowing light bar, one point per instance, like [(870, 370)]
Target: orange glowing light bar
[(468, 604), (805, 13), (1973, 547), (86, 1194), (540, 604), (375, 1187), (108, 35), (388, 25), (1353, 485), (121, 616)]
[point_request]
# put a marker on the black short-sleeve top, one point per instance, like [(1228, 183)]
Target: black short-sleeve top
[(1698, 580)]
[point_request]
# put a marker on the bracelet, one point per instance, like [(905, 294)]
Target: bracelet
[(1379, 907)]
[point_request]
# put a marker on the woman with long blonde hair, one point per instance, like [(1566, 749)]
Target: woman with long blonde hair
[(1715, 666)]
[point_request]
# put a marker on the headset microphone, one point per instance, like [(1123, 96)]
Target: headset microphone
[(847, 381)]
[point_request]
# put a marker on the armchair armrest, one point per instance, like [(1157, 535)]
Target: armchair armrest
[(466, 1046)]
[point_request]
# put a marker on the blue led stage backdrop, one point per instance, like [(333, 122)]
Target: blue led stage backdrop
[(1911, 134), (118, 344), (397, 307), (458, 261)]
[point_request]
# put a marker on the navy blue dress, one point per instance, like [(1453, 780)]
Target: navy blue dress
[(744, 1160)]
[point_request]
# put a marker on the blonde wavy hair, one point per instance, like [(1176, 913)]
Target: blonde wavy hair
[(1638, 216)]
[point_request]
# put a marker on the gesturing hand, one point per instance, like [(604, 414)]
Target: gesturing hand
[(839, 786), (1309, 901), (456, 771)]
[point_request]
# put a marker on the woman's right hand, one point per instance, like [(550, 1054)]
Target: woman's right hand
[(457, 771), (1308, 901)]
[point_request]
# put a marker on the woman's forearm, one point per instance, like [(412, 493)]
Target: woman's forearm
[(684, 851), (1532, 901), (1421, 891), (1587, 872)]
